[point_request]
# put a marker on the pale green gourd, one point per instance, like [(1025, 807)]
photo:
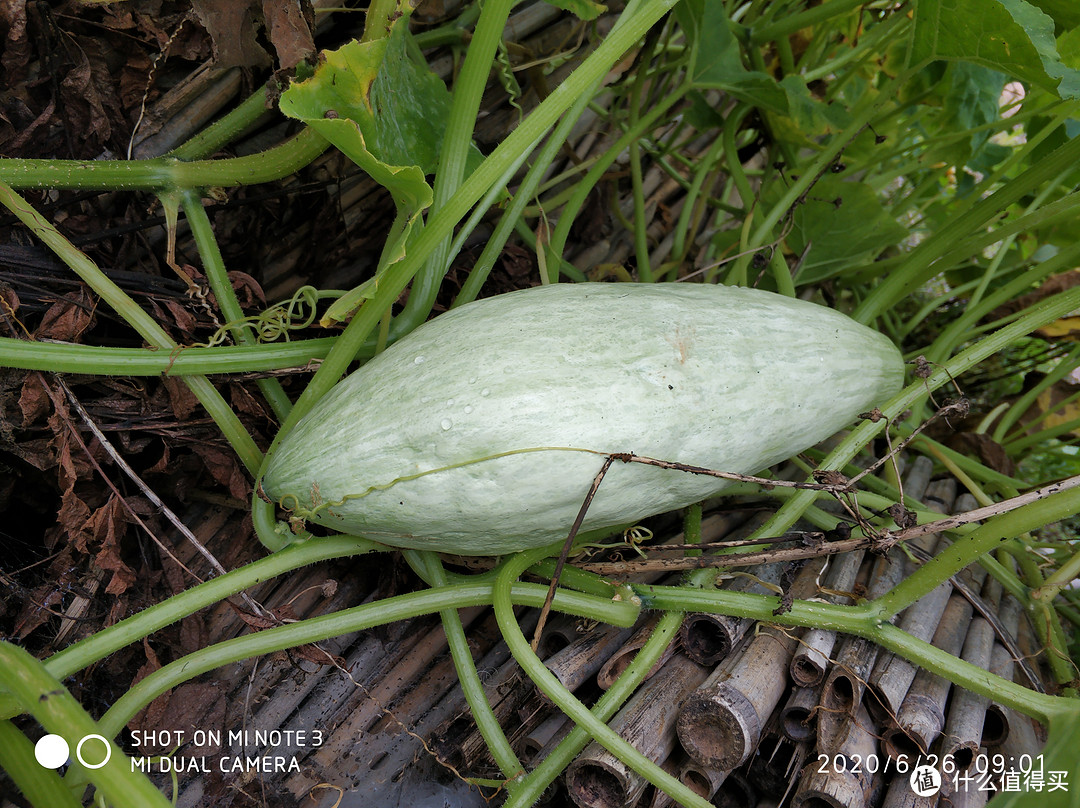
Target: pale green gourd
[(480, 432)]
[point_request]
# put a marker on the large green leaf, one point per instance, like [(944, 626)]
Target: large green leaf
[(844, 224), (388, 115), (1012, 36)]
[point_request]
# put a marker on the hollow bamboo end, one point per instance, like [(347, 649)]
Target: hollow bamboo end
[(707, 639), (595, 784), (719, 728)]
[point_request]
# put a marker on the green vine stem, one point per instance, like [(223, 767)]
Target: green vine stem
[(224, 130), (214, 266), (565, 700), (358, 618), (525, 792), (142, 322), (42, 787), (108, 640), (486, 722), (1038, 315), (471, 190), (165, 173), (41, 694), (96, 360), (457, 143), (920, 263), (865, 621)]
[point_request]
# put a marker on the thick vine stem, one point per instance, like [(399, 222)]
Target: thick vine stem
[(865, 621), (43, 696), (563, 698)]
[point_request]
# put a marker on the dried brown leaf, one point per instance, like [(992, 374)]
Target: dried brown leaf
[(181, 399), (980, 445), (290, 26), (183, 318), (15, 55), (34, 401), (248, 289), (233, 28), (67, 318), (225, 469), (243, 401)]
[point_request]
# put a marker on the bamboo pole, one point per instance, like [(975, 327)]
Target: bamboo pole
[(621, 659), (811, 659), (798, 717), (722, 722), (845, 779), (583, 657), (598, 779), (967, 711), (922, 714), (999, 719), (708, 638), (842, 691), (892, 675)]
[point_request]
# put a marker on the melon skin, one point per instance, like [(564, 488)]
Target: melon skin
[(481, 431)]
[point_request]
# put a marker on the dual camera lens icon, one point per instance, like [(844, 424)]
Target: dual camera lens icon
[(52, 751)]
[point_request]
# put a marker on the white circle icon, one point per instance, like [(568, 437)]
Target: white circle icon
[(79, 751), (925, 781), (51, 751)]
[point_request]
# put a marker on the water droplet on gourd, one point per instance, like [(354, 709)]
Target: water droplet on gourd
[(446, 423), (418, 360), (485, 392), (468, 409), (449, 402)]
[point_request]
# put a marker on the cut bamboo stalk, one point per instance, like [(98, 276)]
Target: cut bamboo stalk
[(844, 780), (967, 711), (721, 723), (998, 718), (735, 792), (922, 714), (811, 659), (621, 659), (774, 769), (968, 793), (598, 779), (843, 691), (798, 717), (892, 675), (653, 797), (708, 638), (1023, 740), (901, 795), (583, 657), (703, 780)]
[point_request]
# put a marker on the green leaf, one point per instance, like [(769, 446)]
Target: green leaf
[(844, 224), (582, 9), (717, 60), (972, 98), (1066, 13), (387, 115), (1012, 36)]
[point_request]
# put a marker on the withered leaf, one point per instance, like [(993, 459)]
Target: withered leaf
[(233, 28), (225, 468), (181, 399), (34, 401), (289, 26), (67, 318)]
